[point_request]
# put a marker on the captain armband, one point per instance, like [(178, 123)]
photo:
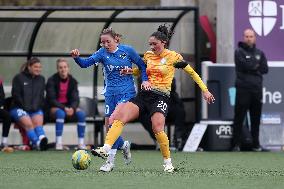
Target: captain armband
[(181, 64)]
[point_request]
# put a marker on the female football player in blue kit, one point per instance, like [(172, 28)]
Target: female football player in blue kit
[(118, 88)]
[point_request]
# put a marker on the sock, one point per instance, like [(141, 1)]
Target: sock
[(59, 139), (111, 157), (59, 122), (4, 140), (118, 143), (168, 161), (107, 147), (163, 141), (32, 136), (81, 141), (40, 132), (114, 132), (81, 124)]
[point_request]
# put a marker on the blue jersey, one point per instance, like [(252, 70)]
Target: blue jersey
[(123, 57)]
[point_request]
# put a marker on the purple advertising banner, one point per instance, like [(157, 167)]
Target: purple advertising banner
[(266, 18)]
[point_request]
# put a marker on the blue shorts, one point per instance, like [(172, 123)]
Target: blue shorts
[(112, 101), (17, 113)]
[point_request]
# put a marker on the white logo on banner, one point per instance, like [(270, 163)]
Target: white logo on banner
[(262, 16)]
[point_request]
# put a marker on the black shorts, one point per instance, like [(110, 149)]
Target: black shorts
[(150, 102)]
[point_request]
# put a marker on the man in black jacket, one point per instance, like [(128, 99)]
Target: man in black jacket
[(251, 64), (63, 101)]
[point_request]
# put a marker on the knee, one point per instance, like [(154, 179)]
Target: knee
[(116, 116), (157, 126), (81, 115), (60, 114)]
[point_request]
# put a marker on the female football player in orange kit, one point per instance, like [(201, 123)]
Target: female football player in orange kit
[(161, 64)]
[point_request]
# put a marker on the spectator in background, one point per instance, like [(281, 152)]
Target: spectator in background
[(5, 116), (28, 100), (251, 64), (63, 101)]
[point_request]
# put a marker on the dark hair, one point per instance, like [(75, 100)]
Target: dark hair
[(163, 34), (30, 62), (112, 33)]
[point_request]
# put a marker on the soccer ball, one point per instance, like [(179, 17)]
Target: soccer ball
[(81, 160)]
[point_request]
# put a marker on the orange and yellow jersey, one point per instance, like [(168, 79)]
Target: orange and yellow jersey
[(161, 70)]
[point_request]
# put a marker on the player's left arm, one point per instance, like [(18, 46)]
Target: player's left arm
[(190, 71)]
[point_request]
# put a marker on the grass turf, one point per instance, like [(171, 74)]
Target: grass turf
[(51, 169)]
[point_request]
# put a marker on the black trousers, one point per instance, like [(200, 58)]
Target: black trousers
[(6, 119), (247, 100)]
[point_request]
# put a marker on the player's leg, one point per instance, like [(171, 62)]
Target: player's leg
[(119, 142), (81, 125), (110, 104), (129, 112), (23, 119), (159, 110), (59, 116), (158, 124), (124, 145), (37, 120), (109, 164), (113, 105)]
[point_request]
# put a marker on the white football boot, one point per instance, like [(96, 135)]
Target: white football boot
[(126, 152), (168, 166), (100, 152), (107, 167)]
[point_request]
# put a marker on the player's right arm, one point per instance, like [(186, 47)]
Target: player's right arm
[(86, 62)]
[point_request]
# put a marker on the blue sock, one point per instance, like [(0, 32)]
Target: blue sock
[(59, 122), (32, 136), (81, 123), (39, 131), (118, 143)]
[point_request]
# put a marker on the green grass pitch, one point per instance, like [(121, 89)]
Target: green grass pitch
[(208, 170)]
